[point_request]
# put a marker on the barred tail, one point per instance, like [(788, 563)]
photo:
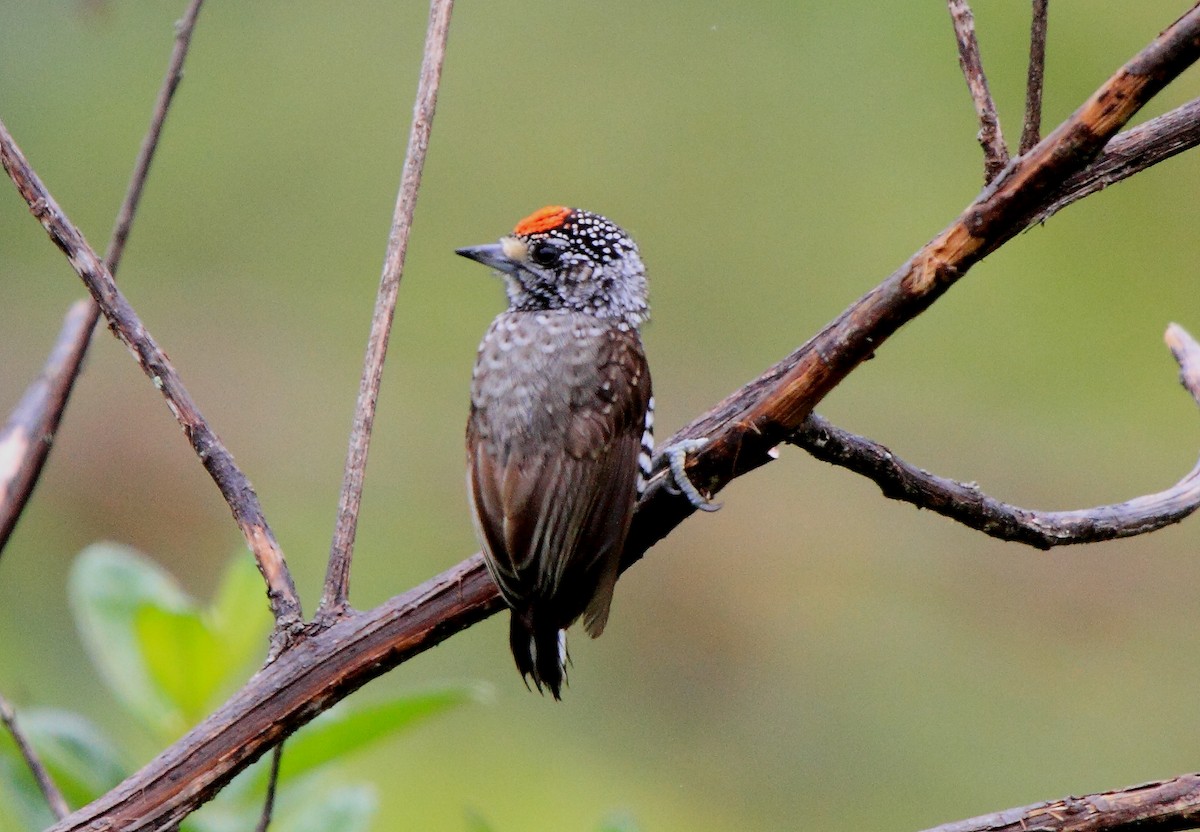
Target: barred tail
[(540, 654)]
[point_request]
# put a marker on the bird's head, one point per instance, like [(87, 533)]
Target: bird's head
[(565, 258)]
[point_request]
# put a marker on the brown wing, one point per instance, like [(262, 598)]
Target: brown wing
[(552, 467)]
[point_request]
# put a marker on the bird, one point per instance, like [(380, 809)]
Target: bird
[(560, 437)]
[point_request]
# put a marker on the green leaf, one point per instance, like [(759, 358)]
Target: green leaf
[(167, 660), (183, 656), (109, 585), (239, 615), (353, 725)]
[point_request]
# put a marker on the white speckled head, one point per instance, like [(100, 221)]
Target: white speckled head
[(565, 258)]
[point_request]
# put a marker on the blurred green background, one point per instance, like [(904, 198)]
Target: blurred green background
[(811, 656)]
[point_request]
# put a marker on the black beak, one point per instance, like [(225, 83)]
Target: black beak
[(491, 255)]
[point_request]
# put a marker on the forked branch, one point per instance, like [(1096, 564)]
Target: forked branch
[(746, 426), (26, 439), (324, 667), (965, 503), (1132, 151), (128, 327)]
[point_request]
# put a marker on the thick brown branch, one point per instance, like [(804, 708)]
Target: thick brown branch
[(128, 327), (748, 424), (316, 672), (1130, 152), (1164, 806), (42, 407), (742, 430), (26, 437), (337, 577), (325, 667), (58, 803), (1032, 129), (995, 152)]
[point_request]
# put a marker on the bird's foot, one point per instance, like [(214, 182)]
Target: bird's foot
[(679, 482)]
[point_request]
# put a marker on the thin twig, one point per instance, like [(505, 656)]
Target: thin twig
[(1130, 152), (1032, 129), (323, 668), (991, 139), (965, 503), (1163, 806), (25, 439), (337, 578), (128, 327), (43, 404), (54, 798), (264, 820), (162, 104)]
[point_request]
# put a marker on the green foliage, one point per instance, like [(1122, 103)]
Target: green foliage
[(170, 661), (353, 725)]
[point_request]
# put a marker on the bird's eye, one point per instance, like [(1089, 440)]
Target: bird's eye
[(545, 254)]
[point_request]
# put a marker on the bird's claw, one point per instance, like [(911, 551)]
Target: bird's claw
[(679, 482)]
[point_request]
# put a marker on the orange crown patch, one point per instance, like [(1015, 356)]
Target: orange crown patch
[(543, 219)]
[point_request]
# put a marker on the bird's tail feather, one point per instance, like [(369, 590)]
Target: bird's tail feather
[(540, 654)]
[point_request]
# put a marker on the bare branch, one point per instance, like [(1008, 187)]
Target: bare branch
[(26, 437), (126, 325), (318, 671), (1032, 130), (1163, 806), (965, 503), (323, 668), (58, 803), (995, 152), (264, 820), (43, 404), (337, 577), (743, 429), (1130, 152), (141, 166)]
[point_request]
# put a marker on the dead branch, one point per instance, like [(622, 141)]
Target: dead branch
[(42, 406), (58, 803), (26, 438), (743, 429), (965, 503), (1031, 132), (1163, 806), (1132, 151), (128, 327), (337, 577), (321, 669), (991, 139), (310, 677)]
